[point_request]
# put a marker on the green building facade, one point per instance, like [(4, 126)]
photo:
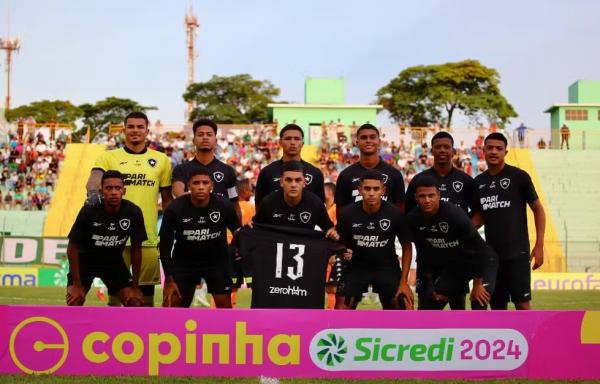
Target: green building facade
[(581, 114), (324, 102)]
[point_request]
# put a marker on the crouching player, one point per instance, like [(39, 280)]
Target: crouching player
[(193, 243), (452, 253), (96, 244)]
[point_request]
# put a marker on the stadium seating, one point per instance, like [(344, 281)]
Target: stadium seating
[(70, 189), (571, 181)]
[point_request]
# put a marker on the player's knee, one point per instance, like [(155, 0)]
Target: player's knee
[(132, 301)]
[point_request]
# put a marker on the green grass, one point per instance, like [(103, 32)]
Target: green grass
[(550, 300), (557, 300)]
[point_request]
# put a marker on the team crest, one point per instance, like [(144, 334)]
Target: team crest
[(215, 216), (457, 185), (152, 162), (124, 224), (444, 227), (504, 183), (384, 224), (218, 176), (385, 178), (308, 178), (305, 217)]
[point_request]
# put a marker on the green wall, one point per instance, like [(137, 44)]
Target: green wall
[(584, 91), (305, 116), (324, 90)]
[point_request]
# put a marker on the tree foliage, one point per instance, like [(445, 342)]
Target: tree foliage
[(46, 111), (112, 110), (236, 99), (427, 94)]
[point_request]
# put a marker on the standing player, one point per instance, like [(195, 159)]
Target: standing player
[(501, 195), (291, 140), (292, 205), (454, 185), (451, 251), (347, 192), (223, 175), (369, 229), (147, 173), (194, 243), (96, 244)]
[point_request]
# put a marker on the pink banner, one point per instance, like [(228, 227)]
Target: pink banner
[(299, 343)]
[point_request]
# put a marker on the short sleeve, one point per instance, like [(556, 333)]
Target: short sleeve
[(341, 189), (232, 194), (102, 162), (79, 231), (402, 230), (398, 195), (138, 233), (179, 174), (165, 175)]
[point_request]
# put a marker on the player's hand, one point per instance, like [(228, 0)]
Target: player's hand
[(538, 256), (347, 254), (480, 294), (75, 295), (93, 198), (406, 294), (171, 294), (250, 224), (332, 234)]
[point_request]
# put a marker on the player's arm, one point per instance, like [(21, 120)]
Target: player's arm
[(325, 223), (477, 219), (171, 294), (165, 197), (404, 288), (75, 292), (178, 188), (92, 187), (237, 209), (539, 217), (398, 196), (261, 189)]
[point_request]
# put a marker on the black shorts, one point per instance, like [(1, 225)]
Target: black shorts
[(356, 281), (334, 272), (513, 282), (115, 275), (217, 278)]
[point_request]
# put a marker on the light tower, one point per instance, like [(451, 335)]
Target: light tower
[(9, 45), (191, 24)]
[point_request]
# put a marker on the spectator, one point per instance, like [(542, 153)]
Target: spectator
[(565, 134)]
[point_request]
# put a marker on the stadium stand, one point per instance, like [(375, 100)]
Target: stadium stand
[(571, 181), (70, 188)]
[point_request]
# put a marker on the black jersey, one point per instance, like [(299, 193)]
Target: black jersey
[(346, 191), (447, 239), (102, 236), (456, 187), (502, 201), (268, 180), (222, 175), (309, 213), (196, 236), (371, 236), (287, 265)]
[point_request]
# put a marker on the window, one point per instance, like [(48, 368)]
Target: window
[(577, 114)]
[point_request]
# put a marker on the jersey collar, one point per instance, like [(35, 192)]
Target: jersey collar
[(135, 153)]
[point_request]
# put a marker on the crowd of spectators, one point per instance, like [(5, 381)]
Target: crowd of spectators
[(29, 167)]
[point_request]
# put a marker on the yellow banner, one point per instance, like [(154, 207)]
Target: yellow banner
[(15, 277)]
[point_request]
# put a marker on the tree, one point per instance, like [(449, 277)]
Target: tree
[(112, 110), (47, 111), (231, 99), (427, 94)]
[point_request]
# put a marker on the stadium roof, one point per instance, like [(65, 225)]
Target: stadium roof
[(337, 106), (574, 105)]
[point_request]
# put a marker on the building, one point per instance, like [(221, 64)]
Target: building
[(324, 106), (581, 114)]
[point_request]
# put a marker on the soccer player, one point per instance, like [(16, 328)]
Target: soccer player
[(223, 175), (501, 195), (292, 205), (193, 243), (147, 174), (291, 140), (454, 185), (347, 187), (369, 228), (96, 243), (451, 251)]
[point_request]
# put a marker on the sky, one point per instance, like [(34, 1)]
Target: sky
[(85, 51)]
